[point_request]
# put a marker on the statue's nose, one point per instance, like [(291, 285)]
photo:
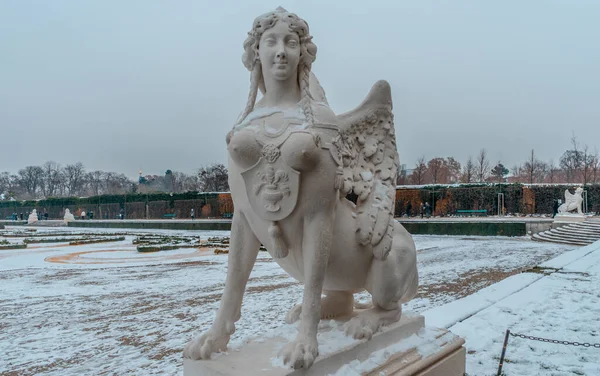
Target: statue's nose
[(280, 55)]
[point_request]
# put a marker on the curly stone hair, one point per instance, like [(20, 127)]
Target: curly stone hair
[(308, 53)]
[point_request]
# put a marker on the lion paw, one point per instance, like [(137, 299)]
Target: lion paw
[(360, 328), (300, 353), (368, 322), (204, 345)]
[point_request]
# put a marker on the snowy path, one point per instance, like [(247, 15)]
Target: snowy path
[(133, 318), (564, 306)]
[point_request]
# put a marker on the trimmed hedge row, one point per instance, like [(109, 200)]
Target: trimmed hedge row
[(134, 206), (518, 198), (446, 199)]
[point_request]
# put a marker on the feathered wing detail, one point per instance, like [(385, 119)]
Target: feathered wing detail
[(368, 165), (569, 197)]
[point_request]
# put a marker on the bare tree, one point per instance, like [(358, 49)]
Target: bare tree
[(454, 169), (571, 161), (482, 166), (589, 160), (436, 168), (418, 174), (402, 177), (552, 175), (468, 171), (534, 170), (529, 167), (595, 175), (9, 185), (52, 179), (74, 178), (96, 181), (213, 178), (31, 178), (184, 182), (4, 182), (116, 183)]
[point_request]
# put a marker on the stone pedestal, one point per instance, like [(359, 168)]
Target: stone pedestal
[(405, 348), (572, 218)]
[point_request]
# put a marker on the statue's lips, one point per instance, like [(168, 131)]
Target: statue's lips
[(280, 65)]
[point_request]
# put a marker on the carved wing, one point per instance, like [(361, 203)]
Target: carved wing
[(569, 197), (368, 160)]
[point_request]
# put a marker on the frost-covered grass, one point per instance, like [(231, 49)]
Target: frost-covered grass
[(111, 310)]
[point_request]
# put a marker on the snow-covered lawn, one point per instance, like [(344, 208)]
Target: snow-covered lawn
[(563, 305), (106, 309)]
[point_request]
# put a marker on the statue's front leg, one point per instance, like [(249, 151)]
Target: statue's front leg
[(243, 249), (316, 245)]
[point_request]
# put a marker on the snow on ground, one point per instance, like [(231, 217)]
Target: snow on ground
[(132, 313), (563, 305)]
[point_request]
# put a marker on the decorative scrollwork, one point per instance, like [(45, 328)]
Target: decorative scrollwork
[(271, 153)]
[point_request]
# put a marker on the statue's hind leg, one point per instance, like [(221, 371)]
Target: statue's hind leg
[(334, 304), (391, 282)]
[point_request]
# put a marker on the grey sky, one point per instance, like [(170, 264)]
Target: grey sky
[(123, 85)]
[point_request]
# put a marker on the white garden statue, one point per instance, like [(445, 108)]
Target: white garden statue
[(33, 217), (572, 202), (292, 163), (68, 216)]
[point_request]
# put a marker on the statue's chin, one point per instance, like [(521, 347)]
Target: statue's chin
[(282, 74), (281, 77)]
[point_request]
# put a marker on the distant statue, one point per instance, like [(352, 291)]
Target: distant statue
[(68, 216), (572, 202), (33, 217), (292, 163)]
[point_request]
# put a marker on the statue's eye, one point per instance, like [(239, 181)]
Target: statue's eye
[(269, 42), (292, 43)]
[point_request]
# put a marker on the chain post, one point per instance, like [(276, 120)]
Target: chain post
[(503, 352)]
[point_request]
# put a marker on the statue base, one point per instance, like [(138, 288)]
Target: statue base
[(404, 348), (567, 217)]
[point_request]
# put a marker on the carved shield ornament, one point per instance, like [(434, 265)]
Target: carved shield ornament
[(272, 187)]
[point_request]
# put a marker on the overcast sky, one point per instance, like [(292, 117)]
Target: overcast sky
[(123, 85)]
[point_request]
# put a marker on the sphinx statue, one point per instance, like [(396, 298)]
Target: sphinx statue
[(33, 217), (68, 217), (572, 202), (292, 164)]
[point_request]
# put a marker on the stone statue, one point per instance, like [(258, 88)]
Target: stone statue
[(292, 163), (33, 217), (68, 217), (572, 202)]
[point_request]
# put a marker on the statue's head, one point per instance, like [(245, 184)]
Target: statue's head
[(279, 45), (276, 32)]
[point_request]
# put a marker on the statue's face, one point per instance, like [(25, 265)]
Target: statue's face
[(279, 52)]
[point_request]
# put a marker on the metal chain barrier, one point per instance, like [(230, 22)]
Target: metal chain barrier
[(584, 344), (508, 333)]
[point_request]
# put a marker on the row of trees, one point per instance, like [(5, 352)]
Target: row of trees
[(54, 180), (578, 165), (211, 178)]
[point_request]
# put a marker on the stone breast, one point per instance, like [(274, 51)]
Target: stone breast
[(243, 148), (299, 149)]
